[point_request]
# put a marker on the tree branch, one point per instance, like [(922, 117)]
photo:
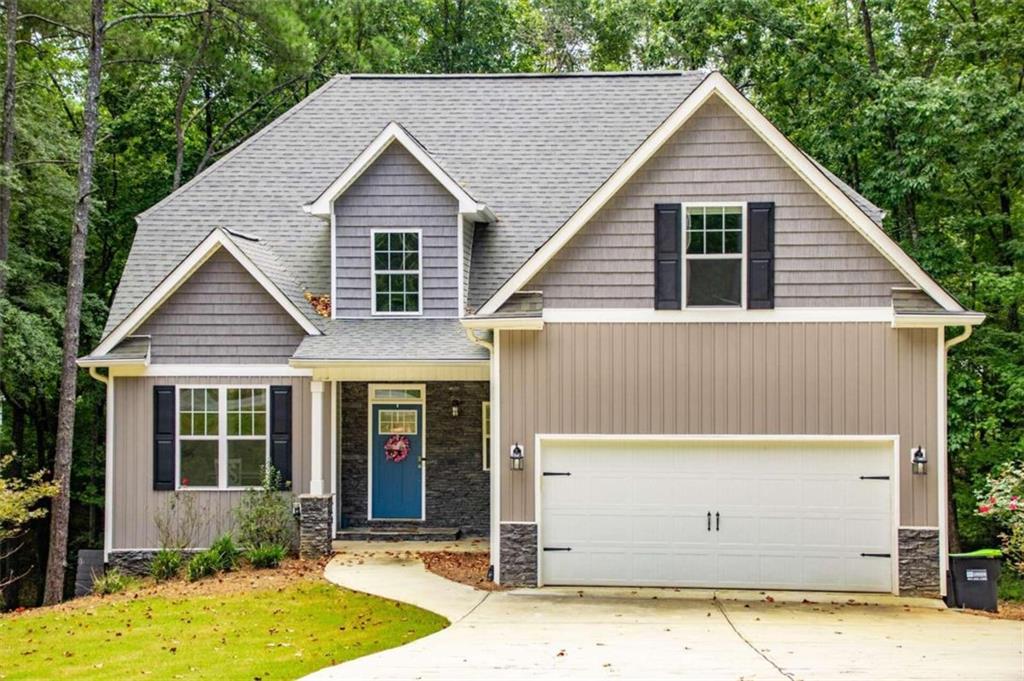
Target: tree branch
[(153, 15), (54, 22)]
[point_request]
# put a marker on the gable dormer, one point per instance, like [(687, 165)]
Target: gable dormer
[(399, 227)]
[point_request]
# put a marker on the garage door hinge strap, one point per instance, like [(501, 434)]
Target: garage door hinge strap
[(876, 555), (557, 548), (548, 473), (874, 477)]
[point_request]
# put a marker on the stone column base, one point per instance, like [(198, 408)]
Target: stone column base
[(315, 519), (518, 554), (919, 562)]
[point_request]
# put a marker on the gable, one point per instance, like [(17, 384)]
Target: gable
[(221, 315), (821, 260), (396, 192)]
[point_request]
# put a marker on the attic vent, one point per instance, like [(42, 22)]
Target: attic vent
[(242, 235)]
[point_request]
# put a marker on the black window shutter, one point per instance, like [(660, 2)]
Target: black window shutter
[(668, 254), (761, 256), (163, 437), (281, 432)]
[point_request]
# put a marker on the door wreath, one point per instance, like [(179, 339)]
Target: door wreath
[(396, 449)]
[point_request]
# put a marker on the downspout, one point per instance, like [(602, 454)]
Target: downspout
[(471, 335), (98, 376), (957, 340), (108, 465), (494, 570), (944, 474)]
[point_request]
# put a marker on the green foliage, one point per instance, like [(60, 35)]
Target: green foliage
[(225, 553), (1011, 586), (201, 565), (266, 555), (264, 515), (1002, 500), (113, 581), (166, 565), (19, 498)]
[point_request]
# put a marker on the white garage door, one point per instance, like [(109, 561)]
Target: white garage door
[(806, 515)]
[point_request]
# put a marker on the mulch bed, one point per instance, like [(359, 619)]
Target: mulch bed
[(462, 567)]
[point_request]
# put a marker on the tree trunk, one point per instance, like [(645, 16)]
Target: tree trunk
[(869, 38), (57, 559), (7, 147)]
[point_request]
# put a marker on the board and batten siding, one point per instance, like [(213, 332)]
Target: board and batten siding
[(733, 379), (135, 503), (396, 192), (221, 315), (820, 259)]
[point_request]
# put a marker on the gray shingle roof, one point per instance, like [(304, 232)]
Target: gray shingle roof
[(533, 148), (381, 338)]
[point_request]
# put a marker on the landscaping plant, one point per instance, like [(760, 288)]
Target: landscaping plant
[(181, 520), (266, 555), (1002, 500), (264, 516), (113, 581), (225, 553), (166, 565), (201, 565)]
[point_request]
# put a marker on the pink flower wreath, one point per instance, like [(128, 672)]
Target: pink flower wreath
[(396, 449)]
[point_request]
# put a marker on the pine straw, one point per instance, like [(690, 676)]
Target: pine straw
[(462, 567)]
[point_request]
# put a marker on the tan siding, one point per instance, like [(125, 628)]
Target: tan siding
[(134, 501), (820, 260), (221, 315), (820, 378)]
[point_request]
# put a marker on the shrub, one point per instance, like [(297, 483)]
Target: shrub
[(264, 515), (266, 555), (225, 553), (202, 565), (1002, 499), (180, 520), (166, 565), (113, 581)]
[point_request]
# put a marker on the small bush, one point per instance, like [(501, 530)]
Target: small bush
[(266, 555), (202, 565), (225, 553), (1002, 500), (166, 565), (264, 515), (113, 581)]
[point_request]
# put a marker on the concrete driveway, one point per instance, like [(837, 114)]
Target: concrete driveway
[(668, 634)]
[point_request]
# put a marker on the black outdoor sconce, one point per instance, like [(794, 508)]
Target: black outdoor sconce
[(919, 461), (455, 407), (515, 457)]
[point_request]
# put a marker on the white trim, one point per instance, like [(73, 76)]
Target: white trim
[(918, 320), (717, 84), (334, 265), (486, 435), (495, 495), (941, 456), (316, 438), (216, 240), (460, 275), (374, 312), (322, 206), (894, 481), (511, 323), (334, 459), (217, 370), (108, 477), (712, 315), (741, 256), (370, 429)]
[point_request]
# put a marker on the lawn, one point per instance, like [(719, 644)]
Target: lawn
[(236, 627)]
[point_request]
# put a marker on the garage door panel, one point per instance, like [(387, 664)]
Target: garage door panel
[(791, 515)]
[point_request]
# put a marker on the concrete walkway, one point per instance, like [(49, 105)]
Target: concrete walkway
[(668, 634)]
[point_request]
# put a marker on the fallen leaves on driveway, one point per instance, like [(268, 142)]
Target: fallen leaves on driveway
[(460, 566)]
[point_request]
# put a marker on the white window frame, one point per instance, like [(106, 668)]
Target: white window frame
[(485, 434), (373, 271), (742, 255), (398, 409), (221, 437)]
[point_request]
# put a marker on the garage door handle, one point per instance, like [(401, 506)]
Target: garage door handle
[(876, 555), (718, 519), (557, 548), (874, 477), (709, 521)]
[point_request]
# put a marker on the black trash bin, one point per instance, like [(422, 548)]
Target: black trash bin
[(974, 579)]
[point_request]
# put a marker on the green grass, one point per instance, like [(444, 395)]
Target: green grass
[(264, 634), (1011, 586)]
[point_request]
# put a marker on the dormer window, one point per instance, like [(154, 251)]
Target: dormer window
[(397, 270)]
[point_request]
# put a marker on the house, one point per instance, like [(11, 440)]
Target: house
[(617, 323)]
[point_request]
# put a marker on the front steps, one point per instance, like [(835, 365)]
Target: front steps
[(397, 533)]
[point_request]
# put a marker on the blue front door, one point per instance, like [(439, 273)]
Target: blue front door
[(397, 447)]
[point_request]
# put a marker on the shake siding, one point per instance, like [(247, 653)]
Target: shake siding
[(701, 379), (396, 192), (221, 315), (135, 503), (820, 260)]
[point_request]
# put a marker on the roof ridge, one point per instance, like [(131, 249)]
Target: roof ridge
[(243, 145), (522, 75)]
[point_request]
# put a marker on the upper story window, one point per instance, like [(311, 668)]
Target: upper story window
[(222, 437), (397, 272), (715, 265)]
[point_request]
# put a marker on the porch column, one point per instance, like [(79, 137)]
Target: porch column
[(316, 439)]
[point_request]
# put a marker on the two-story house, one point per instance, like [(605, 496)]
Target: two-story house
[(618, 323)]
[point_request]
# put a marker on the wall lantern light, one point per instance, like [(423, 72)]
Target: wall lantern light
[(515, 457), (919, 461), (455, 407)]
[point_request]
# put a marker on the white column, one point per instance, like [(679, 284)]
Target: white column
[(316, 438)]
